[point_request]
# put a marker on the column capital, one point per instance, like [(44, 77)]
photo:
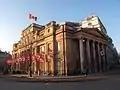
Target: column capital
[(88, 39), (80, 38), (83, 37)]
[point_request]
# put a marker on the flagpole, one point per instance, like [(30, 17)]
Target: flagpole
[(33, 19)]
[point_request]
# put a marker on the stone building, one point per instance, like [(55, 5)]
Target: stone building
[(67, 48), (4, 56)]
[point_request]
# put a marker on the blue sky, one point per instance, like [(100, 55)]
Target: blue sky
[(14, 16)]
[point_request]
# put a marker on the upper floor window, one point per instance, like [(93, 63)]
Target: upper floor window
[(48, 47), (42, 34), (38, 49), (33, 32), (38, 32), (15, 45), (33, 50), (48, 30)]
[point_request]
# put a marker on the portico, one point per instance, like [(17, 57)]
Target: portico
[(92, 53)]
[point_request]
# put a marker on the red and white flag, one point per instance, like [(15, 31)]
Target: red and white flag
[(32, 17), (9, 61)]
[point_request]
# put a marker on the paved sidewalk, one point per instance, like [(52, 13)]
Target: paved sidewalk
[(36, 78), (56, 78)]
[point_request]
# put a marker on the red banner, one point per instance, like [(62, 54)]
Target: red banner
[(40, 57), (9, 62)]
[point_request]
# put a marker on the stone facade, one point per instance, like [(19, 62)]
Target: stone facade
[(4, 56), (69, 48)]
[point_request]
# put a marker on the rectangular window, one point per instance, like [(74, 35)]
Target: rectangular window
[(15, 56), (58, 46), (42, 49), (38, 49), (48, 30), (48, 47)]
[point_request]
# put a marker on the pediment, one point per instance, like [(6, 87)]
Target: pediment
[(95, 32)]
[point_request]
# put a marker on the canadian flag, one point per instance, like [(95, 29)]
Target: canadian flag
[(32, 17)]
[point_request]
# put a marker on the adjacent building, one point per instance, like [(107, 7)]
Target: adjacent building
[(68, 48), (4, 56)]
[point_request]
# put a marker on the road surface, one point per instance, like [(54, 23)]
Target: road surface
[(110, 83)]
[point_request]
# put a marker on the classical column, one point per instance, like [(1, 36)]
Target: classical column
[(103, 55), (88, 55), (99, 56), (45, 57), (81, 54), (25, 60), (94, 56), (35, 52), (34, 60), (105, 58), (48, 58)]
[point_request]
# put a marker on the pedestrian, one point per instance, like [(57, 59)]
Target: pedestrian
[(39, 72), (85, 73), (4, 72)]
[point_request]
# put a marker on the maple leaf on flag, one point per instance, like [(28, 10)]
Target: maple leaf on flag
[(32, 17)]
